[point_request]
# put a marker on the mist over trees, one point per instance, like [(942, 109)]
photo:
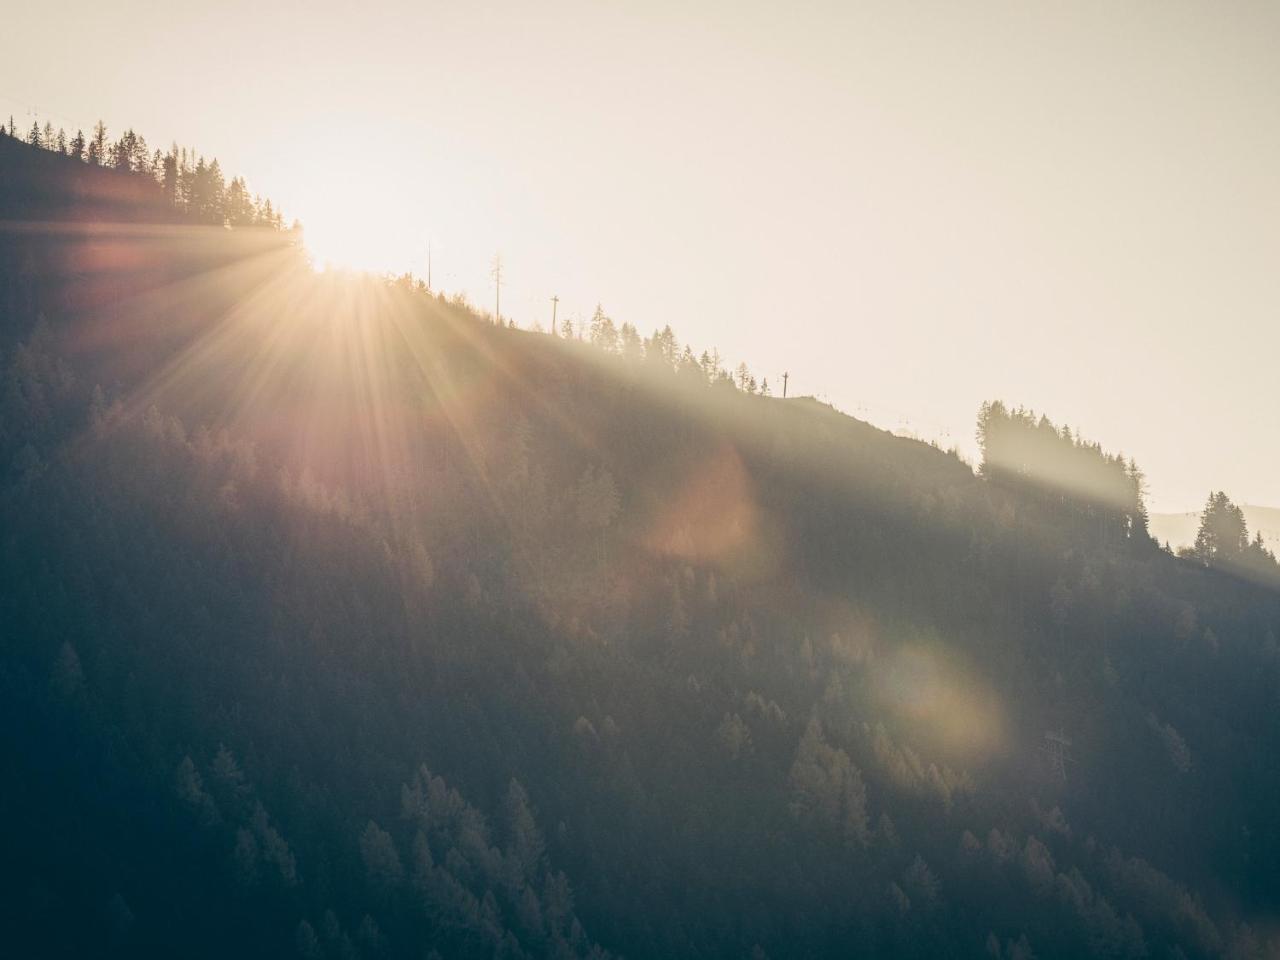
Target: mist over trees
[(341, 622), (1050, 463)]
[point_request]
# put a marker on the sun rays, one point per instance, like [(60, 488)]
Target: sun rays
[(404, 412)]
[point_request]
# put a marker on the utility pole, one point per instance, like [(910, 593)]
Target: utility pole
[(785, 378), (497, 288), (428, 264), (555, 300), (1057, 746)]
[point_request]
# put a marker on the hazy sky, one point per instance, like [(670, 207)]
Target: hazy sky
[(911, 207)]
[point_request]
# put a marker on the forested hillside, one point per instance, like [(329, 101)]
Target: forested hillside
[(340, 622)]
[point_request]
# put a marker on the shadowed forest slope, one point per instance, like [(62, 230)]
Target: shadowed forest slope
[(340, 622)]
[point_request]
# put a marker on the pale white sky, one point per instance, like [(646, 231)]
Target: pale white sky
[(911, 206)]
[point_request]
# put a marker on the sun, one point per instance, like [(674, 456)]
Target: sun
[(353, 218), (341, 240)]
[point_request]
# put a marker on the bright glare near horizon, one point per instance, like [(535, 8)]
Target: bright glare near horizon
[(908, 207)]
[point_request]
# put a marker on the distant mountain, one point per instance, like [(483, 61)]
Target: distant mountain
[(337, 621), (1179, 529)]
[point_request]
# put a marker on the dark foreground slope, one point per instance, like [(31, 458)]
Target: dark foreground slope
[(338, 622)]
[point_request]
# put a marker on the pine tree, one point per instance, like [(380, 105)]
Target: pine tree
[(139, 154), (381, 859), (630, 343), (98, 145), (526, 846), (603, 333), (215, 194), (121, 152), (1223, 535), (239, 206), (597, 503), (169, 177)]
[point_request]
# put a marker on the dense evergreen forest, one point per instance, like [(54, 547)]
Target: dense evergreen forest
[(338, 621), (191, 187)]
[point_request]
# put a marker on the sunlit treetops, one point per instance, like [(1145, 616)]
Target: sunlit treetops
[(199, 188), (1019, 447), (192, 184), (661, 350), (1223, 542), (664, 348), (1104, 491)]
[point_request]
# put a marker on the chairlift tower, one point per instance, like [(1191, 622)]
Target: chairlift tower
[(1057, 746)]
